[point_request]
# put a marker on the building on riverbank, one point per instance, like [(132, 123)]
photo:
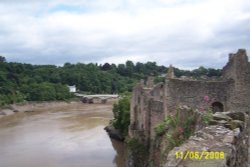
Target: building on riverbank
[(72, 89)]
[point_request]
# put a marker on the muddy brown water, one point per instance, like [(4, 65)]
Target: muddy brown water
[(71, 136)]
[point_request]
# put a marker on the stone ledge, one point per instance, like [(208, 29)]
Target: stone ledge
[(226, 133)]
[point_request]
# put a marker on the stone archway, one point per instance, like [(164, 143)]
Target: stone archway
[(217, 107)]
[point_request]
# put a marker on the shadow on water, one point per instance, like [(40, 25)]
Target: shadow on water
[(119, 158)]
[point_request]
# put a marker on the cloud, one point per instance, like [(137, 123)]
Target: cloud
[(186, 33)]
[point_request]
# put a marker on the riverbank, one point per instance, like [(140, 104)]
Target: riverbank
[(30, 107)]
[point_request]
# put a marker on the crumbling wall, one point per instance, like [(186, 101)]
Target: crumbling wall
[(191, 93), (156, 108), (146, 109), (138, 117), (156, 115), (157, 92), (238, 69), (150, 104), (228, 139)]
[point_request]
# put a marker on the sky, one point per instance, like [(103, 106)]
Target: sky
[(184, 33)]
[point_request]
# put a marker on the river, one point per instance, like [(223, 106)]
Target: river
[(71, 136)]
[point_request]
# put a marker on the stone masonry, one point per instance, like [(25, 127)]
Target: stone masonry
[(229, 138), (151, 103)]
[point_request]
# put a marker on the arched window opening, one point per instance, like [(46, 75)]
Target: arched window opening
[(217, 107)]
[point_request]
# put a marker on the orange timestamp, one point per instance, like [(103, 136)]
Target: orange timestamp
[(196, 155)]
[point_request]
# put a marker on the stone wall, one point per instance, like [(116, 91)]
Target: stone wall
[(232, 93), (150, 104), (238, 69), (156, 115), (147, 109), (231, 139), (191, 93), (139, 119)]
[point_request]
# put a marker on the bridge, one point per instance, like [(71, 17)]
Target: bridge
[(103, 98)]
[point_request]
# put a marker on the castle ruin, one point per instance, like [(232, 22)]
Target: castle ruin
[(151, 103)]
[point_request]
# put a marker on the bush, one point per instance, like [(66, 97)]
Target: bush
[(207, 117), (135, 144), (206, 111), (160, 129), (138, 150), (121, 111), (177, 130)]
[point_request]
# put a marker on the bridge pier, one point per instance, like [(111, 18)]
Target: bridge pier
[(87, 100), (104, 101), (96, 98)]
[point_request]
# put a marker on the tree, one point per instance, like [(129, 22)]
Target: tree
[(106, 67), (139, 67), (214, 72), (62, 92), (2, 59), (121, 69), (49, 82), (40, 92), (129, 67), (199, 72), (121, 113)]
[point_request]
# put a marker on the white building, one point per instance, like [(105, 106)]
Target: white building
[(72, 89)]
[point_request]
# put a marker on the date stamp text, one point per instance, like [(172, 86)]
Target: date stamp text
[(204, 155)]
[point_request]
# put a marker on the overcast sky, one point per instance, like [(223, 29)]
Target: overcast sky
[(185, 33)]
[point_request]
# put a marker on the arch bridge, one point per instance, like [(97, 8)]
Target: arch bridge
[(96, 98)]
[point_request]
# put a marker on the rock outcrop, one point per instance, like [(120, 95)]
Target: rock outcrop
[(114, 133)]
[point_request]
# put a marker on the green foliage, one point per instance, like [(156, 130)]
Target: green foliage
[(196, 73), (11, 92), (121, 111), (159, 79), (62, 92), (207, 116), (189, 125), (45, 91), (160, 128), (106, 67), (139, 151), (206, 111), (2, 59), (135, 144), (16, 79), (41, 92), (177, 129)]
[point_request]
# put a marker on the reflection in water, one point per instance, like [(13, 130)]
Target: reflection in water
[(120, 154), (67, 137)]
